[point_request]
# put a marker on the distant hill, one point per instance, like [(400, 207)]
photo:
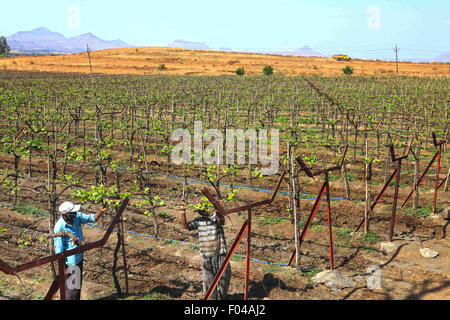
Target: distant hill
[(225, 49), (304, 51), (443, 57), (45, 40), (184, 44)]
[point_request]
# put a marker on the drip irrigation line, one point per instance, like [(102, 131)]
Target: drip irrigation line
[(16, 227), (187, 243), (305, 195), (310, 196), (168, 239)]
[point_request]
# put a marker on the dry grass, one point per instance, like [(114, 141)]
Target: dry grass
[(208, 62)]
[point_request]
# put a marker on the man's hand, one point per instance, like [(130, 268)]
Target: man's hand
[(100, 212)]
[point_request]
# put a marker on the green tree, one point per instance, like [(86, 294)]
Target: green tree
[(268, 70), (348, 70), (161, 67), (240, 71), (4, 47)]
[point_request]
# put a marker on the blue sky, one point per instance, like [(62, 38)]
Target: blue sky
[(368, 29)]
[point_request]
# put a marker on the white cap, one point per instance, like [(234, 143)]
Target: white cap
[(68, 206)]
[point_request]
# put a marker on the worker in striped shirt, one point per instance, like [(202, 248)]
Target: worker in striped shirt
[(213, 247)]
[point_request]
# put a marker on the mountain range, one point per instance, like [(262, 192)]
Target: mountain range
[(44, 41), (443, 57), (47, 41), (184, 44), (304, 51)]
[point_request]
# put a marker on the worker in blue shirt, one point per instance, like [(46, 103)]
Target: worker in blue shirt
[(70, 223)]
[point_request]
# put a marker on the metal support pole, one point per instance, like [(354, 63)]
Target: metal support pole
[(226, 261), (308, 222), (421, 178), (444, 181), (394, 204), (245, 227), (247, 263), (52, 290), (60, 257), (378, 198), (62, 279), (437, 179), (330, 236), (326, 186)]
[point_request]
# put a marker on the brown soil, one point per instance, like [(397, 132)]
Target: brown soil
[(166, 269), (145, 61)]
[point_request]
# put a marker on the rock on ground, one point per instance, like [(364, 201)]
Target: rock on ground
[(388, 246), (428, 253), (333, 279), (446, 213)]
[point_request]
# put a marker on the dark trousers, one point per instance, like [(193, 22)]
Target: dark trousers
[(210, 267), (73, 284)]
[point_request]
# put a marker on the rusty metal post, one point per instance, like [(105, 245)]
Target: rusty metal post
[(247, 262), (438, 156), (439, 145), (421, 178), (277, 187), (437, 179), (62, 279), (308, 222), (60, 257), (397, 184), (325, 186), (226, 261), (330, 236), (378, 197), (53, 289), (246, 226), (394, 204), (444, 181)]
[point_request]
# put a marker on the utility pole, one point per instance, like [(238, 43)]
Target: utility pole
[(396, 56), (89, 56)]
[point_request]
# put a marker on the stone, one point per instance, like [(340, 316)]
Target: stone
[(446, 213), (388, 246), (333, 279), (428, 253)]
